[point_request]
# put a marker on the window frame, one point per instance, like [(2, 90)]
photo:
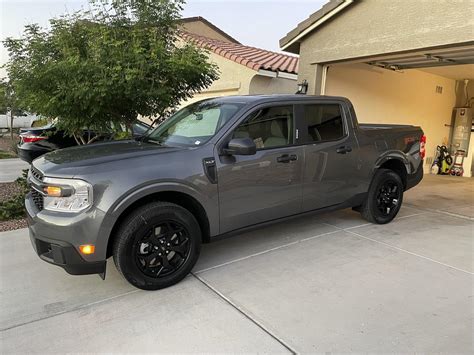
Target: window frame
[(303, 126), (246, 115)]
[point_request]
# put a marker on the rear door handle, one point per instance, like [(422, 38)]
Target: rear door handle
[(286, 158), (344, 149)]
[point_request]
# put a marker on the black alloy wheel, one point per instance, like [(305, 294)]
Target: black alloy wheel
[(388, 197), (384, 198), (163, 249), (157, 245)]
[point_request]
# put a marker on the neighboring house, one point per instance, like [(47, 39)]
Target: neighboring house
[(243, 70), (398, 61)]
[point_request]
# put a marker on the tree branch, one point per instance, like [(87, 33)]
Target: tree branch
[(94, 139)]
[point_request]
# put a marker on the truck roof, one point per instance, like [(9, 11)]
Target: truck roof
[(275, 97)]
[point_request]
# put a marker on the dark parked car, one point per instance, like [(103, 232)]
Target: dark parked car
[(35, 142), (214, 168)]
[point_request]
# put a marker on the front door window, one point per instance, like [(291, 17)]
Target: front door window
[(269, 127)]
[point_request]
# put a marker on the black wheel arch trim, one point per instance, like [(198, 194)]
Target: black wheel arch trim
[(129, 198)]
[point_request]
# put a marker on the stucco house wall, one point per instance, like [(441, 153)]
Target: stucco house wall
[(372, 27), (237, 79), (264, 85)]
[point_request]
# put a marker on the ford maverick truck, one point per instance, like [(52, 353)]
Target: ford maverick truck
[(216, 167)]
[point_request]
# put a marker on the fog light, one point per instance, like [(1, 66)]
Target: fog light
[(87, 249)]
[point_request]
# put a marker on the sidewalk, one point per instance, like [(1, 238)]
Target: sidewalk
[(11, 169)]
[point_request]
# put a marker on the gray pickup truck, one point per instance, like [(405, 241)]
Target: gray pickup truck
[(214, 168)]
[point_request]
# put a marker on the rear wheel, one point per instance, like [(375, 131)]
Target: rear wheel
[(384, 198), (157, 245)]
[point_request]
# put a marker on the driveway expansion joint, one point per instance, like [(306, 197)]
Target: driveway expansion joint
[(264, 252), (348, 230), (441, 212), (73, 309), (241, 311)]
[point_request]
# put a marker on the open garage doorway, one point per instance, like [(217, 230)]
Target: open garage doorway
[(422, 88)]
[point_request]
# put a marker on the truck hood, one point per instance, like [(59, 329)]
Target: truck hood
[(67, 162)]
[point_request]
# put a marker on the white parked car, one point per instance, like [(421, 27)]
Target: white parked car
[(22, 120)]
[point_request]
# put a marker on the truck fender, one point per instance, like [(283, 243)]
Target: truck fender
[(130, 197), (392, 155), (402, 165)]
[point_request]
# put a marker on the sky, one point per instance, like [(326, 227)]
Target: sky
[(255, 23)]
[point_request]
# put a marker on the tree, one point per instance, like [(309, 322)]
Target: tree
[(8, 101), (107, 65)]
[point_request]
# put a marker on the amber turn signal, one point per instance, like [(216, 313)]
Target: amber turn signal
[(54, 191), (87, 249)]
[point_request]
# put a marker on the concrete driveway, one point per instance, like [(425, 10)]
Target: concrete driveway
[(11, 169), (331, 283)]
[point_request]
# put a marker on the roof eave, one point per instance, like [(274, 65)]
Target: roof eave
[(210, 24), (291, 42)]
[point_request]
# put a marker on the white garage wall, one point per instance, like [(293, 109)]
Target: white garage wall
[(409, 97)]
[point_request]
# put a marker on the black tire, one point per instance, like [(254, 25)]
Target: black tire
[(384, 198), (150, 249)]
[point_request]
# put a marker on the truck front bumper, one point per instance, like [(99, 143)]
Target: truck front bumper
[(65, 255), (56, 238)]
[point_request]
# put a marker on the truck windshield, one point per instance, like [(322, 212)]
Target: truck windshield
[(195, 124)]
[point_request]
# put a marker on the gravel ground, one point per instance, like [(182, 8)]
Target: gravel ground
[(12, 225), (7, 144), (8, 190)]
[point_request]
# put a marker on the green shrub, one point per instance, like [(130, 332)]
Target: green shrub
[(6, 154), (14, 207)]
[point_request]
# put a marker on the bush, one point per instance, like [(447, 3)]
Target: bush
[(14, 207), (6, 155)]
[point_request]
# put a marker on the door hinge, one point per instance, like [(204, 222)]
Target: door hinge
[(297, 134)]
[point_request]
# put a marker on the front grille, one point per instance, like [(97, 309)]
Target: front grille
[(36, 174), (35, 195), (37, 198)]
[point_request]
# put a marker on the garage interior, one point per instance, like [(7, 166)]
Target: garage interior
[(427, 88)]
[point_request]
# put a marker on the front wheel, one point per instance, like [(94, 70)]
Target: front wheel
[(384, 198), (157, 245)]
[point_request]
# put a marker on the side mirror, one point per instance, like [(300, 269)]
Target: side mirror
[(241, 146)]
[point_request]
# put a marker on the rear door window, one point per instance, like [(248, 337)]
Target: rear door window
[(323, 122)]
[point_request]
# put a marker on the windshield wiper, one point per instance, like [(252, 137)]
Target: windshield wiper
[(154, 141)]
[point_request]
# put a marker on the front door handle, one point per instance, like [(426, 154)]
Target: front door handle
[(344, 149), (286, 158)]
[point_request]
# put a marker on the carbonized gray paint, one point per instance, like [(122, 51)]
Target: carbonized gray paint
[(250, 189)]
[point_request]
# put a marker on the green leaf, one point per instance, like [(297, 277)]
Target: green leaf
[(106, 66)]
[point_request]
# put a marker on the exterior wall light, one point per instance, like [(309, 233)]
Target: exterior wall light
[(302, 88)]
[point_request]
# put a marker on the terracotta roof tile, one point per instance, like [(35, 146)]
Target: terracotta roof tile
[(251, 57)]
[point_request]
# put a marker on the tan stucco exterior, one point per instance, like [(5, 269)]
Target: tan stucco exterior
[(203, 29), (237, 79), (373, 27), (370, 27)]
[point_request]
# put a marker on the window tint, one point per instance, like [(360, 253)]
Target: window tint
[(268, 127), (194, 124), (324, 122)]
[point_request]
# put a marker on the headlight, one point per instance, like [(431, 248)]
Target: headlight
[(66, 195)]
